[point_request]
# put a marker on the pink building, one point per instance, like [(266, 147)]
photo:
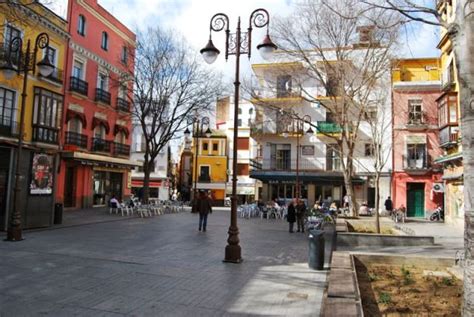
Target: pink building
[(416, 181)]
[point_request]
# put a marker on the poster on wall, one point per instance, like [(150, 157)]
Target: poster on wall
[(42, 174), (307, 150)]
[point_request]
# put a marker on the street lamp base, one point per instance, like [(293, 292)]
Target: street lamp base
[(14, 234), (233, 254)]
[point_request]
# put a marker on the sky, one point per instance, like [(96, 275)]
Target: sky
[(191, 18)]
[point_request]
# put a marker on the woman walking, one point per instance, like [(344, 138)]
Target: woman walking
[(204, 208), (291, 216)]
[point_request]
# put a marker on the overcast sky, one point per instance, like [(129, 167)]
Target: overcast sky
[(190, 18)]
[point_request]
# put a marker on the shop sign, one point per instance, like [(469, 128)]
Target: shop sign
[(42, 174), (307, 150), (129, 180)]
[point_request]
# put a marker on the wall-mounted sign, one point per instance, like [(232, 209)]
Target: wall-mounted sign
[(42, 174), (307, 150)]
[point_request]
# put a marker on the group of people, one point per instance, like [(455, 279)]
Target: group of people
[(296, 213)]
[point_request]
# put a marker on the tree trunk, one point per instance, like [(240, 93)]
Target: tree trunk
[(146, 181), (377, 201), (463, 44)]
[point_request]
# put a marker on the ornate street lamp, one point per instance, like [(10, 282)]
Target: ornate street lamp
[(21, 63), (236, 44)]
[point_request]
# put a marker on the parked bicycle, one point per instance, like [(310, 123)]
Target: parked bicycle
[(398, 215), (437, 215)]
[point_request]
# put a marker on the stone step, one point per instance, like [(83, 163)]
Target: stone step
[(341, 283)]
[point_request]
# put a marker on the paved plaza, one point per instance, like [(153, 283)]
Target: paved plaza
[(159, 266)]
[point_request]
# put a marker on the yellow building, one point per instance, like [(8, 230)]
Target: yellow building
[(42, 113), (449, 113), (211, 170)]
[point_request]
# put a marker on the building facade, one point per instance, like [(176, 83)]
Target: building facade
[(43, 114), (449, 116), (159, 181), (247, 189), (96, 126), (417, 183)]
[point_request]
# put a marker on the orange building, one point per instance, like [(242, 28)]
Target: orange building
[(416, 182)]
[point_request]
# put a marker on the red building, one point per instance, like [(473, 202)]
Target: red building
[(416, 177), (95, 135)]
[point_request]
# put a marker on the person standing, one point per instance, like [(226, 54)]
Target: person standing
[(291, 216), (300, 215), (389, 205), (204, 208)]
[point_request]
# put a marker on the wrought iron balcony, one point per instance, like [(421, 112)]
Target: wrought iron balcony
[(284, 165), (73, 138), (100, 145), (416, 164), (121, 149), (8, 127), (78, 85), (123, 105), (102, 95), (45, 134), (417, 120)]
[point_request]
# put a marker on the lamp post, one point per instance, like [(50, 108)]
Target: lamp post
[(198, 127), (236, 44), (25, 62)]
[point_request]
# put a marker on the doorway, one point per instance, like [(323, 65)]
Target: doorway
[(416, 199), (371, 197), (69, 200)]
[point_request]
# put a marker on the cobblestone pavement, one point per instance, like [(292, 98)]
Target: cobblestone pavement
[(159, 266)]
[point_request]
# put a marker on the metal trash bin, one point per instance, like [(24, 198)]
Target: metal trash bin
[(316, 249), (58, 214)]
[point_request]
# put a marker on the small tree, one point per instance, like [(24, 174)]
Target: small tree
[(169, 86)]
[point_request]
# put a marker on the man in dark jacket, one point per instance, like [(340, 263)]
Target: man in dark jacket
[(291, 216), (300, 215), (204, 208), (389, 205)]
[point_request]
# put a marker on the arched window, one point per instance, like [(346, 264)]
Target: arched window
[(99, 132), (120, 138), (81, 25), (75, 125), (105, 41)]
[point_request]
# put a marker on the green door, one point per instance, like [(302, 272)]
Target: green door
[(415, 199)]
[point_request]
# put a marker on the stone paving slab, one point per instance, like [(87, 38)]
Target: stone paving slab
[(159, 266), (341, 283), (341, 260), (338, 307)]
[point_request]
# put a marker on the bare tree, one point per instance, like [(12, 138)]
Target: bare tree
[(460, 32), (20, 12), (169, 86), (344, 59)]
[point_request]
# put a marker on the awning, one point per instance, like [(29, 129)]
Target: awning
[(242, 190), (70, 114), (94, 159), (139, 183), (97, 121), (318, 178)]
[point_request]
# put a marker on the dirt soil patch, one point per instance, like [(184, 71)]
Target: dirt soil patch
[(401, 290), (369, 228)]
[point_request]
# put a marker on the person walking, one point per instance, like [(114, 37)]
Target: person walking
[(204, 208), (300, 215), (291, 216), (389, 205)]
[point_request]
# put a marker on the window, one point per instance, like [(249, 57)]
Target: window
[(105, 41), (103, 82), (99, 132), (240, 110), (51, 53), (120, 138), (7, 111), (333, 161), (415, 111), (369, 149), (283, 86), (46, 116), (250, 110), (75, 125), (242, 169), (124, 55), (78, 69), (10, 34), (416, 155), (205, 146), (122, 93), (81, 25), (215, 146), (239, 122)]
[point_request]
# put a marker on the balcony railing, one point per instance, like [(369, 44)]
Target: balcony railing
[(448, 136), (102, 95), (284, 165), (78, 85), (417, 120), (73, 138), (328, 127), (8, 127), (121, 149), (267, 93), (45, 134), (56, 76), (414, 164), (100, 145), (123, 105)]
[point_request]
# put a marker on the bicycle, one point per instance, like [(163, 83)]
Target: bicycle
[(397, 215)]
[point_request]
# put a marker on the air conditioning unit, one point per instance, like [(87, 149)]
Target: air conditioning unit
[(438, 187)]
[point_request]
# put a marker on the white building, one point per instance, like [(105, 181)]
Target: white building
[(246, 186), (159, 182)]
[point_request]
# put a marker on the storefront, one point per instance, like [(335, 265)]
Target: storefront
[(158, 188)]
